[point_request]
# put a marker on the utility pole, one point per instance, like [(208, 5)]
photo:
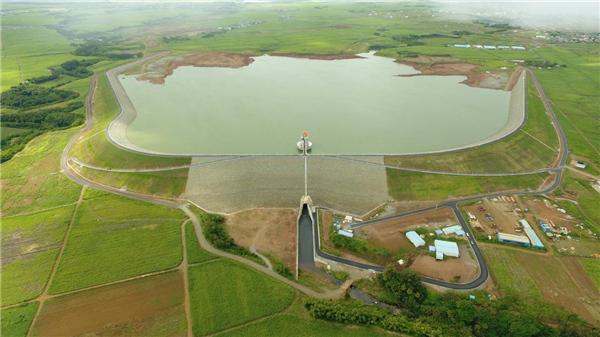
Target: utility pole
[(305, 154)]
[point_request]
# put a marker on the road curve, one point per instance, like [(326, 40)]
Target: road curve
[(72, 174), (454, 205)]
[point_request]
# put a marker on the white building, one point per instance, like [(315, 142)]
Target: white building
[(415, 239), (448, 248)]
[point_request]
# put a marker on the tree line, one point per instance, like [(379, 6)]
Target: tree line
[(424, 314)]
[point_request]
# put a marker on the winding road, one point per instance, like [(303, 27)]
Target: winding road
[(67, 167), (454, 205)]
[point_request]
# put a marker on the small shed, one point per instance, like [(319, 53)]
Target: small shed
[(439, 255)]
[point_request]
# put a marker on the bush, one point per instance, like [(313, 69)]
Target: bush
[(404, 287), (30, 95), (353, 312), (214, 230)]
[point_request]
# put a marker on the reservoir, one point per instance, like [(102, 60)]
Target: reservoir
[(350, 106)]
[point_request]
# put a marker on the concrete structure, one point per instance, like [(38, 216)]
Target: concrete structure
[(535, 240), (520, 240), (580, 164), (447, 248), (415, 239)]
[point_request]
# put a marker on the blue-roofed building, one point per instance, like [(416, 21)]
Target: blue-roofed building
[(535, 240), (415, 239), (520, 240), (546, 228)]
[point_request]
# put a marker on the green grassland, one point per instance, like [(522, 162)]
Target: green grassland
[(587, 199), (16, 321), (32, 181), (575, 94), (114, 238), (510, 277), (25, 278), (22, 234), (404, 185), (225, 294), (28, 51), (195, 254), (293, 326), (592, 268), (7, 132), (530, 148)]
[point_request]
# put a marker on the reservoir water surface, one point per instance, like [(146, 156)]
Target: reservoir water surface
[(351, 106)]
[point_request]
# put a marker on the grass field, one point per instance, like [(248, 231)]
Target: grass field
[(422, 186), (592, 268), (16, 321), (560, 281), (29, 245), (151, 306), (587, 199), (32, 181), (8, 132), (114, 238), (24, 279), (195, 254), (532, 147), (225, 294), (293, 326), (575, 94), (28, 51)]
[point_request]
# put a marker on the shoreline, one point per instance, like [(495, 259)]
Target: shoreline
[(117, 129)]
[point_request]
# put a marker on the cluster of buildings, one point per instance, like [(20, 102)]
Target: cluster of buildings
[(570, 37), (483, 46), (343, 227), (440, 248), (530, 239)]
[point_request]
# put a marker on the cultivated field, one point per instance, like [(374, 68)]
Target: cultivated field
[(151, 306), (114, 238), (16, 321), (558, 280), (31, 180), (29, 246), (225, 294)]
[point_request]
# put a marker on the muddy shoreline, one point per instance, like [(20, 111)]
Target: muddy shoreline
[(474, 78), (167, 68)]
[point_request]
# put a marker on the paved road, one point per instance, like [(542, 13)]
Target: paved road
[(73, 174), (454, 205)]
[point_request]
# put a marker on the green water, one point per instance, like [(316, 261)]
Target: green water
[(355, 106)]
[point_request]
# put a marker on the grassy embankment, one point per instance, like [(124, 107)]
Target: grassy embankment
[(96, 149), (530, 148), (114, 238)]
